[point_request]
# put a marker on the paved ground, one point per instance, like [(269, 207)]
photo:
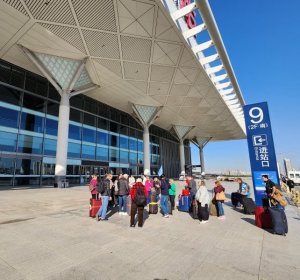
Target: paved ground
[(47, 234)]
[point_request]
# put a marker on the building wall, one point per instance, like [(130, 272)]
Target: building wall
[(101, 138)]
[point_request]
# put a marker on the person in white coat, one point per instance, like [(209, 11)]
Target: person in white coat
[(203, 200)]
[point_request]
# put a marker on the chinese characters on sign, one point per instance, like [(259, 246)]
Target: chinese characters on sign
[(261, 147)]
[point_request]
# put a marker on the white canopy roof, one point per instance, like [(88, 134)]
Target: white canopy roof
[(136, 53)]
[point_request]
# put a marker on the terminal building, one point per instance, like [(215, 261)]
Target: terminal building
[(111, 85)]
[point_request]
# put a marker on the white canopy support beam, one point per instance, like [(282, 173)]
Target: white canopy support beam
[(219, 78), (223, 85), (215, 69), (84, 90), (183, 11), (203, 46), (226, 91), (194, 31), (209, 59), (213, 30)]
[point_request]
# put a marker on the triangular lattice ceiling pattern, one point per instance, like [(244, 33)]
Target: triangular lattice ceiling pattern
[(143, 53)]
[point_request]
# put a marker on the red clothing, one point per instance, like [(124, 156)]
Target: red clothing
[(219, 189), (94, 182), (134, 188)]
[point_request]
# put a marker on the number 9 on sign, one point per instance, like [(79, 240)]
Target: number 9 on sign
[(256, 114)]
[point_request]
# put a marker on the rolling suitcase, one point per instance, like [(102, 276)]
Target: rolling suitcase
[(235, 198), (153, 208), (279, 221), (184, 203), (213, 209), (170, 207), (128, 205), (95, 205), (195, 209), (263, 218), (203, 213), (249, 205)]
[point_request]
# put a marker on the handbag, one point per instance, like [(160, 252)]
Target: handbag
[(220, 196)]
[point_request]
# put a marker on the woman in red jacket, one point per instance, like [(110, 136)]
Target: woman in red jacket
[(138, 195), (93, 187)]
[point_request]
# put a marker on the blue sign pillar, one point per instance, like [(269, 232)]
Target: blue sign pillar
[(261, 147)]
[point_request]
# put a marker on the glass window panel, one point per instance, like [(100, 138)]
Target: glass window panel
[(102, 153), (155, 160), (114, 127), (10, 95), (73, 150), (132, 144), (140, 158), (52, 108), (114, 154), (104, 110), (30, 144), (88, 152), (102, 123), (48, 169), (75, 115), (8, 141), (132, 132), (34, 103), (7, 166), (124, 119), (90, 105), (133, 158), (5, 72), (28, 167), (49, 147), (123, 130), (139, 134), (73, 170), (31, 122), (17, 77), (102, 138), (77, 101), (114, 140), (9, 117), (36, 84), (88, 135), (89, 119), (74, 132), (53, 94), (124, 156), (51, 127), (141, 146), (123, 142)]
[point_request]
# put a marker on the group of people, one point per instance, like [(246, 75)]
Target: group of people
[(141, 191), (146, 190), (290, 183)]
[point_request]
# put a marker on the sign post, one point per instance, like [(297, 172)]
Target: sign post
[(261, 147)]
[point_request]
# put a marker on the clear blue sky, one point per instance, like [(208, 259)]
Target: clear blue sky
[(262, 38)]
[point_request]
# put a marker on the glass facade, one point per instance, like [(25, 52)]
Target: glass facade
[(101, 138)]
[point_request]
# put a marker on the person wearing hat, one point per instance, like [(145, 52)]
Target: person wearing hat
[(164, 197)]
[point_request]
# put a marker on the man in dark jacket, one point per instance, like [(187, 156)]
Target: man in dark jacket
[(105, 190), (192, 187), (270, 185), (164, 197), (123, 192), (290, 184)]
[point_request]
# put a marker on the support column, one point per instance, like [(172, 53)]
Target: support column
[(202, 159), (181, 156), (62, 136), (146, 139)]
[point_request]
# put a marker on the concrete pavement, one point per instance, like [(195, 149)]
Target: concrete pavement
[(47, 234)]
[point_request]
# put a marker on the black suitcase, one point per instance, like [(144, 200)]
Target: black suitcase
[(249, 205), (153, 208), (195, 209), (170, 207), (235, 198), (204, 213), (279, 221)]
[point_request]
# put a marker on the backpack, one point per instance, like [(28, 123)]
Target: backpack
[(140, 198)]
